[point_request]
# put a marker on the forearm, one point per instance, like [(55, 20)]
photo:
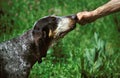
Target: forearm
[(90, 16), (110, 7)]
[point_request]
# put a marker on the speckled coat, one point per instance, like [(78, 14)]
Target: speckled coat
[(18, 55)]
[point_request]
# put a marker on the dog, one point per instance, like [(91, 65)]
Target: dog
[(18, 55)]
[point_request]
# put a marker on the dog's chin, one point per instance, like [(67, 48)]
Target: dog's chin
[(63, 33)]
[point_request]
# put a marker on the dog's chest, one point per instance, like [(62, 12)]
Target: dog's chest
[(12, 59)]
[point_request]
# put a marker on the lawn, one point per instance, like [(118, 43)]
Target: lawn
[(90, 51)]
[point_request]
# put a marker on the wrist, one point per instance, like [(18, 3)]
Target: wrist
[(99, 12), (94, 15)]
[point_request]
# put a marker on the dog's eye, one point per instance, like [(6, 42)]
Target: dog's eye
[(37, 28)]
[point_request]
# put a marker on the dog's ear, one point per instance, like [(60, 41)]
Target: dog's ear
[(38, 34)]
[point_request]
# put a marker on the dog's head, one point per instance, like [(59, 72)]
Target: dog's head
[(49, 29), (53, 27)]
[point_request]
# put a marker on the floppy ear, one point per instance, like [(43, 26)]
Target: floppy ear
[(38, 34)]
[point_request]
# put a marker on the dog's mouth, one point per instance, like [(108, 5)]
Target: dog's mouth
[(65, 25), (62, 34)]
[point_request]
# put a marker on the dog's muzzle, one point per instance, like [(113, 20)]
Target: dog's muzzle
[(73, 21), (65, 25)]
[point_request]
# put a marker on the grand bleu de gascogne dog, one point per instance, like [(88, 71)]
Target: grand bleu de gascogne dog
[(18, 55)]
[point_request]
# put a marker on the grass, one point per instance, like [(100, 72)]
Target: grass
[(91, 51)]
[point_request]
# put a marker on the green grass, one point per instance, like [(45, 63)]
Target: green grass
[(89, 51)]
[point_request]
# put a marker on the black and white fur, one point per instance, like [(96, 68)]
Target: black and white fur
[(18, 55)]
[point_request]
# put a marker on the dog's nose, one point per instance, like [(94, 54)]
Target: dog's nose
[(73, 17)]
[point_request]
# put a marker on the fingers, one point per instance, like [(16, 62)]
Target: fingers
[(79, 15), (84, 17)]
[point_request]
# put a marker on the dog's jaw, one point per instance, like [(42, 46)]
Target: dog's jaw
[(65, 25)]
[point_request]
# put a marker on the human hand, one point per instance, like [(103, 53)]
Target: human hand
[(90, 16), (86, 17)]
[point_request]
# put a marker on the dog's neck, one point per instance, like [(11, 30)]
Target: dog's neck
[(35, 53), (23, 52)]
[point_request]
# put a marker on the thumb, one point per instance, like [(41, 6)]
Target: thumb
[(79, 16)]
